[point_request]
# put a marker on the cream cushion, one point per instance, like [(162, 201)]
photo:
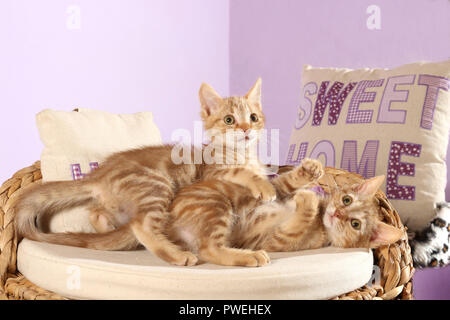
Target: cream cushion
[(86, 136), (76, 141), (392, 122), (90, 274)]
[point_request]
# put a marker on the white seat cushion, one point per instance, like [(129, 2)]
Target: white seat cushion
[(90, 274)]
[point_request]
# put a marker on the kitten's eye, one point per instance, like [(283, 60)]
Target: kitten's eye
[(254, 117), (356, 224), (347, 200), (229, 119)]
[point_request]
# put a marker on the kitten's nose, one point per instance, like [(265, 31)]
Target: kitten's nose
[(337, 214), (244, 127)]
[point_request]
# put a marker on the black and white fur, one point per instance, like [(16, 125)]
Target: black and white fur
[(430, 246)]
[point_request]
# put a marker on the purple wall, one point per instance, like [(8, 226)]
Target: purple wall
[(128, 56), (274, 39), (432, 284)]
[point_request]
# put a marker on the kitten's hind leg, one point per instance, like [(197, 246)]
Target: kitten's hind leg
[(233, 257), (214, 246), (157, 242), (150, 221), (290, 234), (307, 204), (307, 208), (101, 219), (147, 195)]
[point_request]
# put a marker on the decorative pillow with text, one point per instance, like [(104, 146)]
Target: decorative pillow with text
[(380, 122)]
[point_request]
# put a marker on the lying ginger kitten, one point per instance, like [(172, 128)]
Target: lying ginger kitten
[(220, 222)]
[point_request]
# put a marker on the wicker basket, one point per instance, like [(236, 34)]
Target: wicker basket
[(394, 261)]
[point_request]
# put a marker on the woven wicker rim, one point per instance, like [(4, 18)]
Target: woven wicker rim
[(394, 261)]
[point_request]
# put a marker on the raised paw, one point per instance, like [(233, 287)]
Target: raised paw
[(311, 169), (263, 190), (306, 199)]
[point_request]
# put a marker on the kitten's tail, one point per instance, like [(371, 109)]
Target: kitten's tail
[(50, 198), (120, 239)]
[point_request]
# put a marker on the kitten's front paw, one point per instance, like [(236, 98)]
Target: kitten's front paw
[(310, 169), (263, 190), (305, 199), (184, 258), (254, 259)]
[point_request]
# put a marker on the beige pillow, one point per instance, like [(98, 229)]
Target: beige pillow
[(77, 142), (380, 121)]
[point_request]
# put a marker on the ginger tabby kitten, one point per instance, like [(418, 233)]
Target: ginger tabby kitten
[(130, 193), (223, 224)]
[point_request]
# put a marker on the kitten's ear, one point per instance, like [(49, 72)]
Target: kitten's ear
[(385, 234), (210, 100), (254, 94), (370, 186)]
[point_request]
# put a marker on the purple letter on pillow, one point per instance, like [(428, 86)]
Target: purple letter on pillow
[(334, 97), (76, 170), (300, 155), (362, 116), (397, 168), (385, 114), (325, 148), (305, 107), (434, 84), (368, 162)]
